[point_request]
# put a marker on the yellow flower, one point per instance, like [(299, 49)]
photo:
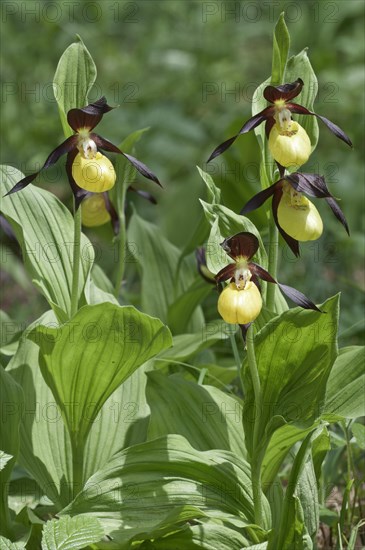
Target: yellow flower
[(93, 211), (298, 216), (240, 305), (95, 174), (289, 144)]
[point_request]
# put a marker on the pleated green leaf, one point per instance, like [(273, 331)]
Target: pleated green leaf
[(45, 450), (140, 487), (345, 395), (73, 79), (281, 43), (86, 359), (292, 391), (207, 417), (44, 229), (71, 533)]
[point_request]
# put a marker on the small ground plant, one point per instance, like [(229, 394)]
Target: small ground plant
[(162, 427)]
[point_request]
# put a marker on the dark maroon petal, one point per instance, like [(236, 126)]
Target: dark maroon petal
[(249, 125), (299, 109), (226, 273), (311, 184), (292, 243), (259, 199), (268, 126), (260, 272), (298, 297), (65, 147), (242, 245), (202, 266), (284, 91), (338, 212), (88, 117), (143, 194), (113, 213), (78, 193), (107, 145)]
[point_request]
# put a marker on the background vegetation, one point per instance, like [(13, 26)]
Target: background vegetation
[(188, 70)]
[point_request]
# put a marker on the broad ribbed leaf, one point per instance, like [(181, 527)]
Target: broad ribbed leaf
[(12, 400), (6, 544), (214, 193), (359, 432), (181, 310), (73, 79), (44, 229), (158, 260), (204, 415), (137, 491), (345, 395), (71, 533), (86, 359), (292, 391), (45, 450), (281, 45)]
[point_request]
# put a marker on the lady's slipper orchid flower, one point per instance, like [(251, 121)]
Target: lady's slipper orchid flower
[(288, 142), (87, 168), (295, 216), (240, 301), (97, 209)]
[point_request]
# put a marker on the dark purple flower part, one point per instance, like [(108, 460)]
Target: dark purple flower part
[(83, 121), (281, 108), (241, 248), (312, 185)]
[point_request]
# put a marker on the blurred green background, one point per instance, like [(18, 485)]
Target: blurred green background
[(188, 70)]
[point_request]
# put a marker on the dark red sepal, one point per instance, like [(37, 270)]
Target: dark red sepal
[(300, 110), (284, 91), (62, 149), (292, 243), (88, 117), (242, 245), (249, 125), (143, 194), (298, 297), (227, 272), (338, 212), (268, 126), (78, 193), (310, 184), (107, 145), (113, 213), (259, 199)]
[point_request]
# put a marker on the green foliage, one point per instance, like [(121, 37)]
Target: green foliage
[(69, 533)]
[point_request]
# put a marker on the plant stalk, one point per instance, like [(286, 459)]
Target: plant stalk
[(236, 358), (273, 263), (122, 242), (76, 261), (77, 465), (256, 456)]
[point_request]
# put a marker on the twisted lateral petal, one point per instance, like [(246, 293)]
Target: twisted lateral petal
[(107, 145), (295, 295), (260, 198), (338, 212), (65, 147), (249, 125), (299, 109), (88, 117), (311, 184)]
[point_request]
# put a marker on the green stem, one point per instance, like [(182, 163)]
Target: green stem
[(77, 465), (122, 241), (236, 358), (256, 458), (76, 261), (273, 263)]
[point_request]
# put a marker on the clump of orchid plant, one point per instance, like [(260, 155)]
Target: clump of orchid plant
[(87, 168), (289, 143), (240, 301), (295, 216)]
